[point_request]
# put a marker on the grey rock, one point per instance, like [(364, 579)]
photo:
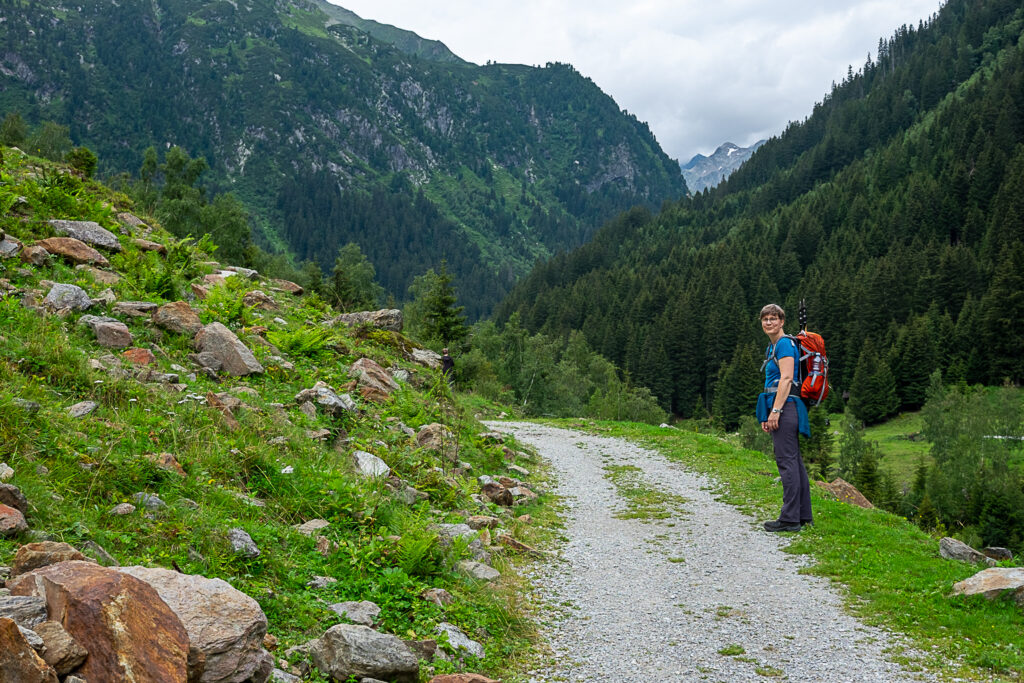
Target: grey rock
[(384, 319), (952, 549), (361, 612), (307, 528), (349, 650), (279, 676), (235, 358), (9, 247), (994, 582), (82, 409), (479, 570), (33, 639), (121, 509), (324, 397), (6, 472), (61, 650), (112, 335), (998, 554), (97, 551), (242, 543), (28, 406), (135, 309), (12, 496), (87, 231), (150, 501), (25, 610), (430, 359), (370, 465), (318, 582), (67, 296), (460, 642)]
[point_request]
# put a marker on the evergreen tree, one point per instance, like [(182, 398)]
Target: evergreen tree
[(13, 130), (915, 359), (737, 388), (817, 451), (873, 390), (1002, 320), (351, 286), (436, 317)]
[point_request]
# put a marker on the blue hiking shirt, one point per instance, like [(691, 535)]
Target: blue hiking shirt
[(784, 347)]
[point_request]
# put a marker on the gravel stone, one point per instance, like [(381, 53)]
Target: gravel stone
[(656, 600)]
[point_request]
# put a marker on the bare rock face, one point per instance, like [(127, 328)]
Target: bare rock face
[(347, 650), (73, 250), (43, 554), (18, 661), (384, 319), (225, 626), (952, 549), (128, 631), (993, 582), (220, 342), (89, 232), (179, 317), (12, 522), (846, 492), (62, 651)]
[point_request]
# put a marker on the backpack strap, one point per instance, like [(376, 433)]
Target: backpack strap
[(771, 355)]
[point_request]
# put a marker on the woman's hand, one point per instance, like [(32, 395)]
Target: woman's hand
[(772, 424)]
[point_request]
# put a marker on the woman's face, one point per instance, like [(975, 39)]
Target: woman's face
[(771, 324)]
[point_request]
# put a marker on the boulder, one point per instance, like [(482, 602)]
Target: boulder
[(135, 309), (73, 250), (128, 631), (384, 319), (112, 335), (89, 232), (220, 342), (313, 525), (479, 570), (435, 437), (371, 375), (323, 396), (43, 554), (104, 277), (132, 220), (997, 554), (121, 509), (150, 501), (242, 543), (12, 522), (349, 650), (846, 492), (139, 356), (147, 245), (370, 465), (9, 246), (12, 496), (993, 582), (225, 626), (83, 408), (438, 596), (459, 641), (497, 494), (35, 255), (478, 522), (286, 286), (426, 357), (62, 652), (18, 660), (67, 296), (26, 610), (952, 549), (178, 317), (257, 299), (359, 612)]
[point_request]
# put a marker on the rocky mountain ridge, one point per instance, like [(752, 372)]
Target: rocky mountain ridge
[(703, 172)]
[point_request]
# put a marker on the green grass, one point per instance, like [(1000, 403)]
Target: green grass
[(901, 444), (641, 501), (890, 570)]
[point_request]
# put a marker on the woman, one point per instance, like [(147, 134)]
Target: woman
[(784, 416)]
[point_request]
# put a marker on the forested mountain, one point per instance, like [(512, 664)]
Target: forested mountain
[(896, 209), (332, 129)]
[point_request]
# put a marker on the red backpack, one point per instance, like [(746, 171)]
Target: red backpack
[(811, 381)]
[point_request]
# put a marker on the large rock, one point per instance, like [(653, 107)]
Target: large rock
[(9, 246), (435, 437), (89, 232), (347, 650), (374, 381), (73, 250), (361, 612), (19, 663), (129, 632), (384, 319), (460, 642), (993, 582), (11, 495), (139, 309), (112, 335), (27, 610), (287, 286), (370, 465), (323, 396), (62, 651), (12, 522), (846, 492), (67, 296), (221, 343), (42, 554), (35, 255), (952, 549), (430, 359), (179, 317), (225, 626)]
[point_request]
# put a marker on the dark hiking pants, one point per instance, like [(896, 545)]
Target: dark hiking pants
[(796, 488)]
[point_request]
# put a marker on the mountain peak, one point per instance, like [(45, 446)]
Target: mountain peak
[(707, 171)]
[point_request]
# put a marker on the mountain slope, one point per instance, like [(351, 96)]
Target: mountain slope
[(702, 172), (296, 112), (895, 210)]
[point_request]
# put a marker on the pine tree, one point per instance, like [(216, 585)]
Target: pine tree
[(873, 390), (440, 319)]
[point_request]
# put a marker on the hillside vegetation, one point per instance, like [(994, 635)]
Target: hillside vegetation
[(104, 403), (330, 135)]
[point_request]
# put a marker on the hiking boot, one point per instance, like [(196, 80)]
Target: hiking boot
[(807, 522), (779, 525)]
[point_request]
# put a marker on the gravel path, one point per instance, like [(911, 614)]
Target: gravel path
[(704, 595)]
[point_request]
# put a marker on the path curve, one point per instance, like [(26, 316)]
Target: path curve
[(705, 595)]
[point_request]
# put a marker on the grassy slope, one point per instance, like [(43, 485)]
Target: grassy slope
[(889, 569), (73, 471)]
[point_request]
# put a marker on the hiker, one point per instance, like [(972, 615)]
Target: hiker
[(447, 367), (783, 415)]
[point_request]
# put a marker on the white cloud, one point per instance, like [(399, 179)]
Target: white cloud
[(700, 73)]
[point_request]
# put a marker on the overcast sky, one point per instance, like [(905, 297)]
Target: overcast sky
[(699, 72)]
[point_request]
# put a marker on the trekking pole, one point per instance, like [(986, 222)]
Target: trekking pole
[(802, 315)]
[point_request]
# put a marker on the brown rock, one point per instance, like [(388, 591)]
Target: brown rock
[(62, 652), (236, 359), (370, 374), (35, 255), (497, 494), (374, 394), (257, 299), (12, 522), (129, 632), (42, 554), (12, 496), (73, 250), (434, 437), (178, 317), (135, 309), (104, 277), (19, 663), (286, 286), (131, 219), (146, 245), (993, 582), (478, 522), (139, 356), (166, 461), (114, 335), (200, 291), (846, 492), (462, 678)]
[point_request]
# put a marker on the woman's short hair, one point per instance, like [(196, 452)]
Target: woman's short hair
[(773, 309)]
